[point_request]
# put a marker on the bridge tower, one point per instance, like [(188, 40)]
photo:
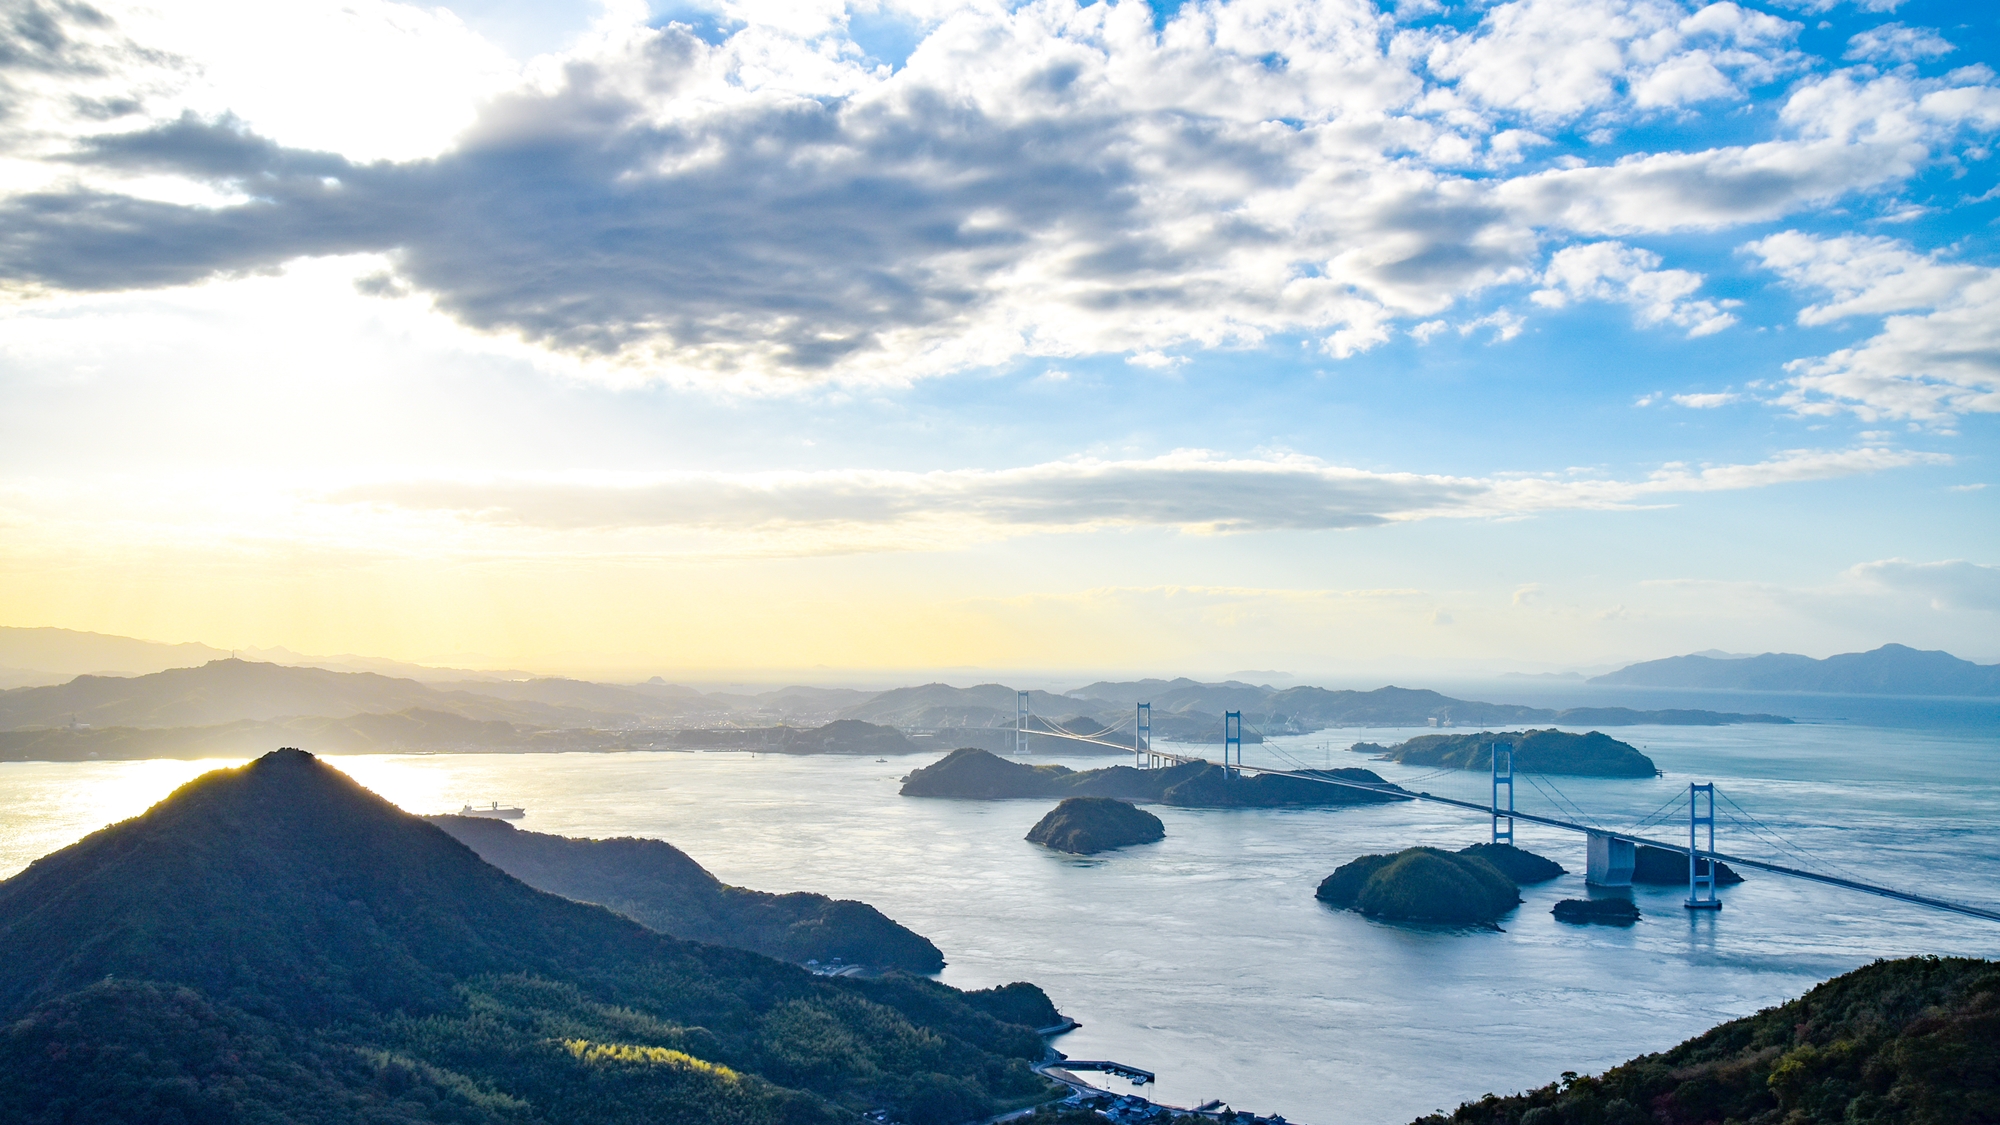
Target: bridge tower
[(1020, 722), (1142, 733), (1503, 776), (1232, 739), (1701, 869)]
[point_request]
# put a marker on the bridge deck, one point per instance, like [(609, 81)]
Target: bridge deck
[(1740, 861)]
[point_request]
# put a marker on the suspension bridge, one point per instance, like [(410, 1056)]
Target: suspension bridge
[(1612, 853)]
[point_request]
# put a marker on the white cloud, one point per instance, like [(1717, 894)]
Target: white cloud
[(1939, 358), (1863, 276), (1613, 271), (1505, 325), (1708, 401), (1555, 60), (1850, 133), (1954, 584), (1893, 42), (1038, 180)]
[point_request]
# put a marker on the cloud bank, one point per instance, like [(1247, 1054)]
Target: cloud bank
[(1190, 491), (1047, 180)]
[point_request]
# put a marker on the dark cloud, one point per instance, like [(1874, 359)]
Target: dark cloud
[(805, 227)]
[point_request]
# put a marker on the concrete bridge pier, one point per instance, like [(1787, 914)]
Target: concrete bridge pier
[(1611, 861)]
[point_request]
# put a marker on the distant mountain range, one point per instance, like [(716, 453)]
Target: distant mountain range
[(232, 706), (1889, 670)]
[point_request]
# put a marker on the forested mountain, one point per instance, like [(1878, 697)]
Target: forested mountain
[(276, 943)]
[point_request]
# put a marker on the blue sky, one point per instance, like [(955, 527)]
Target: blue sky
[(778, 339)]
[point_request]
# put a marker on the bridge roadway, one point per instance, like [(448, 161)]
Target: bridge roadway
[(1739, 861), (1552, 822)]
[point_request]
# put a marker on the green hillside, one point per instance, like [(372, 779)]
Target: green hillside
[(655, 883), (275, 943), (1909, 1042)]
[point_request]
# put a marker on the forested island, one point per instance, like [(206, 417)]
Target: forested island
[(1088, 825), (1908, 1042), (971, 773), (656, 884), (276, 943), (1534, 751), (1475, 885)]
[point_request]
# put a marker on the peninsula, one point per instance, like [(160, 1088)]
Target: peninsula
[(657, 885), (972, 773)]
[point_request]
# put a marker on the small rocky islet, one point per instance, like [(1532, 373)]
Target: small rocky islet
[(1475, 886), (1597, 911), (1088, 825)]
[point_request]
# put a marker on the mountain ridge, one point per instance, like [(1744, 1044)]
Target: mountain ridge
[(1891, 669)]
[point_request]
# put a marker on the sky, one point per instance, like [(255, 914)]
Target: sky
[(810, 340)]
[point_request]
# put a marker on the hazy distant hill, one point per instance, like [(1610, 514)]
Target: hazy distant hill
[(1313, 708), (935, 706), (794, 704), (412, 729), (44, 655), (643, 700), (227, 691), (217, 706), (842, 736), (1889, 670), (275, 943), (1179, 695)]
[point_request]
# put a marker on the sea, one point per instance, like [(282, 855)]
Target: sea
[(1205, 959)]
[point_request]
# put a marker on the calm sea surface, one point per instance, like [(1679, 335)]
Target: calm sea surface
[(1205, 957)]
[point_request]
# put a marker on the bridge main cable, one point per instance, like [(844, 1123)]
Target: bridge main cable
[(1740, 861)]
